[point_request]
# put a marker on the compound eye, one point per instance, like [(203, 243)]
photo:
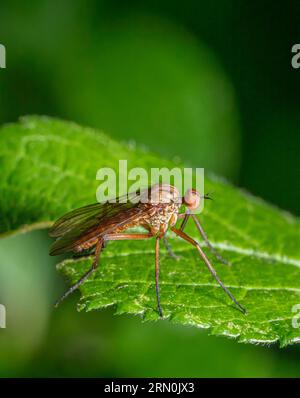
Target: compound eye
[(192, 199)]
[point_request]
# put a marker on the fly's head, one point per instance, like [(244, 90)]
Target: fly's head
[(192, 199)]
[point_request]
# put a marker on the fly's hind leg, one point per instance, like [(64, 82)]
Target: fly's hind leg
[(84, 253), (98, 249)]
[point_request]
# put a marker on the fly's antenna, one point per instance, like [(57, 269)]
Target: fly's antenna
[(207, 195)]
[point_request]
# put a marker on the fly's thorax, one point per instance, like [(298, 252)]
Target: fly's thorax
[(160, 194), (161, 216)]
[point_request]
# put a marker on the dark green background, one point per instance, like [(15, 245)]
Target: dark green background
[(210, 82)]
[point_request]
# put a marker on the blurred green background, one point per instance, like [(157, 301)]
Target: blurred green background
[(209, 82)]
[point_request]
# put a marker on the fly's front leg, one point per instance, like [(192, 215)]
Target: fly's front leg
[(209, 245), (186, 237), (185, 217)]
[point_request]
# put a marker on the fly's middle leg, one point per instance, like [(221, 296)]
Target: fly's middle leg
[(169, 249)]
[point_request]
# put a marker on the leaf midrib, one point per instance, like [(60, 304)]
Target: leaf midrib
[(179, 284), (275, 258)]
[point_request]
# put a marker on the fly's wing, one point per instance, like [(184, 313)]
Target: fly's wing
[(84, 223), (97, 211), (77, 217)]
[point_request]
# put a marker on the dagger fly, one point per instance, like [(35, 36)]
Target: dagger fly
[(156, 209)]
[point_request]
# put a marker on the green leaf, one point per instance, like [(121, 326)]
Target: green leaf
[(48, 167)]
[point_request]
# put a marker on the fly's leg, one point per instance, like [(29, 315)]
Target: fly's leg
[(185, 217), (127, 236), (99, 246), (169, 249), (209, 245), (157, 276), (186, 237), (167, 245), (85, 253)]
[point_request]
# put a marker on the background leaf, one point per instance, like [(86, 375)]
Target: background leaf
[(49, 167)]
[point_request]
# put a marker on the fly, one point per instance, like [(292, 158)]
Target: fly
[(156, 209)]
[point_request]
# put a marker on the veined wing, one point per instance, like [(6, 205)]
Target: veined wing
[(84, 223), (76, 217), (97, 211)]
